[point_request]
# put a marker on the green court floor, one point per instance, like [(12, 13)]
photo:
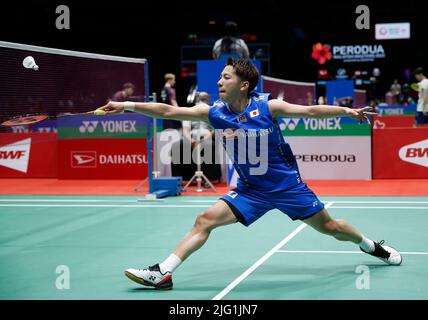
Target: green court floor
[(64, 247)]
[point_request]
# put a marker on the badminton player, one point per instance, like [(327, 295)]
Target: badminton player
[(279, 187)]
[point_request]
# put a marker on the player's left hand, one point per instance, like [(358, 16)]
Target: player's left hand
[(361, 114), (112, 107)]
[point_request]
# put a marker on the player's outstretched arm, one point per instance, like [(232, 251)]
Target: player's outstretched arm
[(280, 108), (159, 110)]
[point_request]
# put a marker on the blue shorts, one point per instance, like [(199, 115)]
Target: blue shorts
[(298, 202)]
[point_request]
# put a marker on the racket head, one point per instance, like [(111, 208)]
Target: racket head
[(415, 86), (24, 120)]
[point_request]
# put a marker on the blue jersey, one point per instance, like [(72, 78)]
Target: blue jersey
[(253, 136)]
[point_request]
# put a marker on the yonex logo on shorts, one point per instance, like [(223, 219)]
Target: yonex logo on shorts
[(232, 194)]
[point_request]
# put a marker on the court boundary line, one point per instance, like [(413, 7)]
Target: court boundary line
[(410, 208), (88, 205), (346, 252), (69, 200), (107, 205), (381, 201), (135, 198), (259, 262)]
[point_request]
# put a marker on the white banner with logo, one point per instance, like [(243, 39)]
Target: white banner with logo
[(334, 157), (388, 31), (16, 155), (28, 155)]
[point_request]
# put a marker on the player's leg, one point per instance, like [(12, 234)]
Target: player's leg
[(159, 276), (218, 215), (343, 231), (340, 229)]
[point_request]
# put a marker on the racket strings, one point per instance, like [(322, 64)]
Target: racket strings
[(30, 119)]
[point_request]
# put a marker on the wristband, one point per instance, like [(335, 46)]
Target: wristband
[(129, 106)]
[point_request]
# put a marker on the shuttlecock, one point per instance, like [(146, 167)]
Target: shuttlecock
[(29, 63)]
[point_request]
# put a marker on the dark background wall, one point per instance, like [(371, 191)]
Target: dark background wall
[(155, 30)]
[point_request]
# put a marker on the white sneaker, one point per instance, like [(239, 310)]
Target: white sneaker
[(151, 277), (386, 253)]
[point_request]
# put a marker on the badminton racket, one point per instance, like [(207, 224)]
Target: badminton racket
[(29, 119)]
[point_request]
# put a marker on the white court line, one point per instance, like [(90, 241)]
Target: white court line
[(105, 205), (189, 201), (170, 206), (66, 200), (344, 252), (387, 202), (247, 272), (412, 208), (235, 282)]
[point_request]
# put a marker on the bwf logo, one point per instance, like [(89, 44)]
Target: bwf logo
[(88, 126), (16, 155), (416, 153)]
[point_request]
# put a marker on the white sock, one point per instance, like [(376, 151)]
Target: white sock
[(170, 264), (367, 244)]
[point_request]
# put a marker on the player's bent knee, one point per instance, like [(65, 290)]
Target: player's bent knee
[(206, 220), (332, 227)]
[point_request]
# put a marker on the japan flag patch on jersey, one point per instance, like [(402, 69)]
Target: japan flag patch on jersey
[(254, 113)]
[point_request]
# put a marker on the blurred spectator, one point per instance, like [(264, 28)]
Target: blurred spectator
[(230, 45), (125, 93), (389, 99), (422, 106), (396, 92), (322, 100), (309, 98), (345, 102), (406, 97), (168, 96), (259, 54), (373, 104)]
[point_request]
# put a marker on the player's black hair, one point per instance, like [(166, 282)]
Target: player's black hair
[(419, 70), (246, 71)]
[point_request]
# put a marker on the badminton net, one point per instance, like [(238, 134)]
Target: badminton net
[(66, 82)]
